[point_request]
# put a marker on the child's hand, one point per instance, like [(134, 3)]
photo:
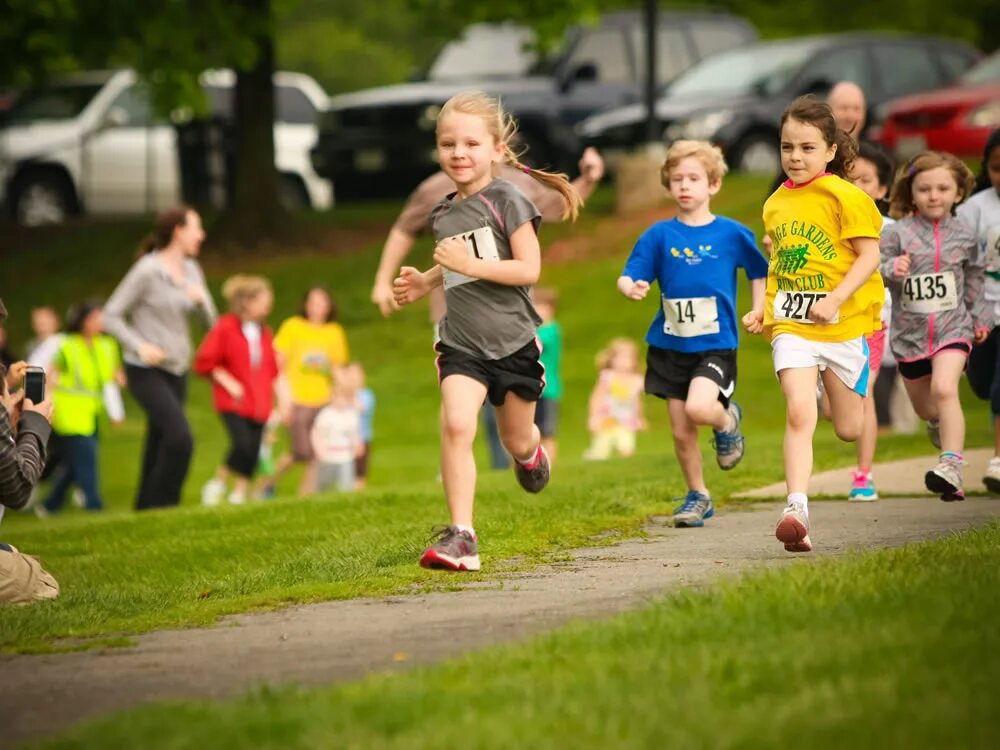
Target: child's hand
[(452, 254), (409, 286), (824, 311), (635, 290), (901, 266), (982, 334), (753, 321), (234, 388)]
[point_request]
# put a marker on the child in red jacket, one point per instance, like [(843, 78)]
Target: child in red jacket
[(238, 356)]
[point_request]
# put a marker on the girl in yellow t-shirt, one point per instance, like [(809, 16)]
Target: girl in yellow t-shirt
[(311, 346), (824, 293)]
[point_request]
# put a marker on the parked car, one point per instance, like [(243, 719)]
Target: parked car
[(90, 143), (735, 99), (958, 118), (381, 139)]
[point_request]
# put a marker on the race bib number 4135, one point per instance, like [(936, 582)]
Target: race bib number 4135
[(795, 306), (479, 243), (929, 292)]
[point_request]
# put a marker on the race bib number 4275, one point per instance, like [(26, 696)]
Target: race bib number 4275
[(795, 306), (479, 243)]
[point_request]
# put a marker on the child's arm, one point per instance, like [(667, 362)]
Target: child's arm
[(641, 412), (753, 321), (232, 386), (595, 407), (633, 289), (522, 270), (894, 263), (860, 271), (975, 299), (411, 285)]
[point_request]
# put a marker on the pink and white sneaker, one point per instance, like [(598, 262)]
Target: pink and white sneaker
[(793, 529)]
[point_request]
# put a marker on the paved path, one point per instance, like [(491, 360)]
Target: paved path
[(336, 641)]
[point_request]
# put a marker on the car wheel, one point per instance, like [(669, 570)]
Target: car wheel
[(758, 153), (292, 193), (43, 198)]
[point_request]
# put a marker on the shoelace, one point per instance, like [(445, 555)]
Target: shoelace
[(860, 478), (442, 532), (690, 503), (724, 442)]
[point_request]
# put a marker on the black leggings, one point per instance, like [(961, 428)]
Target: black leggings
[(167, 454), (244, 443), (984, 370)]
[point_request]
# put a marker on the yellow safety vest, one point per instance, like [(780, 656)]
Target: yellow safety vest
[(79, 391)]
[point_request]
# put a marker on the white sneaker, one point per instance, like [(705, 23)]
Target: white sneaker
[(793, 529), (212, 492), (237, 498), (992, 476), (78, 498)]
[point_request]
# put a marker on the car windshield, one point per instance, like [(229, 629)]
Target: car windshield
[(764, 68), (54, 103), (988, 71), (486, 51)]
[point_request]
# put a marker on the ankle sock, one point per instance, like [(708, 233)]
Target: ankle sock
[(951, 455), (462, 527), (801, 498), (534, 460)]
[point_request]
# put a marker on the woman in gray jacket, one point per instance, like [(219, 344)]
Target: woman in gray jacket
[(149, 313)]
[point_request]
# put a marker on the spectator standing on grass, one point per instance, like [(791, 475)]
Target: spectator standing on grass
[(615, 412), (695, 259), (149, 314), (982, 213), (932, 264), (238, 357), (366, 406), (337, 441), (487, 257), (85, 375), (550, 338), (24, 433), (311, 347), (45, 343)]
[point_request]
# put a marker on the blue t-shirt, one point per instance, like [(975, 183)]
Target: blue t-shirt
[(367, 398), (695, 268)]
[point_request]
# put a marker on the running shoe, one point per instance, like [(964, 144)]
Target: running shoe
[(533, 480), (945, 479), (992, 476), (212, 492), (793, 529), (452, 550), (694, 510), (863, 487), (237, 498), (934, 433), (729, 445)]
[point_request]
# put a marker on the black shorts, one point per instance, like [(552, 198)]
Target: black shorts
[(520, 372), (669, 373), (547, 417), (921, 368)]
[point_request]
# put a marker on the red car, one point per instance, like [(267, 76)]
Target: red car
[(957, 119)]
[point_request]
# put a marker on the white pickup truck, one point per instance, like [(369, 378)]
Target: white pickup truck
[(90, 143)]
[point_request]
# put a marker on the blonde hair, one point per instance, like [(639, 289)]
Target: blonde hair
[(544, 296), (901, 202), (241, 288), (503, 127), (710, 156), (616, 346)]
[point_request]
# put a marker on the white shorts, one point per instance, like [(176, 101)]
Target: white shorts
[(847, 359)]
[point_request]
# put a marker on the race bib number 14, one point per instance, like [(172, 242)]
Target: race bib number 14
[(690, 316), (795, 306), (479, 243)]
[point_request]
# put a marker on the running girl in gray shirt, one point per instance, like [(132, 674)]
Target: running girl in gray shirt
[(487, 257)]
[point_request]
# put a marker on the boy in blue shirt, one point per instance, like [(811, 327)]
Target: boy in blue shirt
[(692, 342)]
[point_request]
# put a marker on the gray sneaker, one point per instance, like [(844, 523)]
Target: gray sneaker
[(451, 550), (729, 445), (693, 511), (934, 434), (945, 479), (533, 480)]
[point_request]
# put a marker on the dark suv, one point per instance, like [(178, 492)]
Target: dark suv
[(381, 141), (735, 99)]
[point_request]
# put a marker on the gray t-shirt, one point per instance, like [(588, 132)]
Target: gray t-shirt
[(486, 319), (149, 306)]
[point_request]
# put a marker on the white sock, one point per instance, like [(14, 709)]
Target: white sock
[(801, 498), (463, 527)]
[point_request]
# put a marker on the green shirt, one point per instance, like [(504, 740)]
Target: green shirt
[(551, 337)]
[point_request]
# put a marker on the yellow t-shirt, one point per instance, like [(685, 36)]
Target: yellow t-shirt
[(810, 226), (309, 354)]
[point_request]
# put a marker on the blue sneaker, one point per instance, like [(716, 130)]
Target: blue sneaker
[(694, 511), (863, 487), (729, 445)]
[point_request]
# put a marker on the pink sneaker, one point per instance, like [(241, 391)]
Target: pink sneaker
[(793, 529), (863, 487)]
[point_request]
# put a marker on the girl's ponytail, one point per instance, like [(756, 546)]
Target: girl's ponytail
[(847, 152), (557, 181)]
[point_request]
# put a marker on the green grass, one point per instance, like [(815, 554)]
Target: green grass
[(893, 649), (123, 573)]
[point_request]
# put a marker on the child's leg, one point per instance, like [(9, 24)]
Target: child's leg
[(919, 392), (703, 407), (601, 445), (518, 431), (869, 429), (798, 384), (461, 399), (847, 409), (685, 434), (947, 368)]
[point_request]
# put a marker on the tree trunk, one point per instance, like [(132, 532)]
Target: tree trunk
[(254, 212)]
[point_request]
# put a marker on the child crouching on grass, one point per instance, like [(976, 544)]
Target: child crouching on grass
[(693, 338)]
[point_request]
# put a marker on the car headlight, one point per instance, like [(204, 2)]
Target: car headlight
[(985, 116), (700, 127)]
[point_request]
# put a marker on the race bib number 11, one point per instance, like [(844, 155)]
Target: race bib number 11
[(479, 243), (795, 306)]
